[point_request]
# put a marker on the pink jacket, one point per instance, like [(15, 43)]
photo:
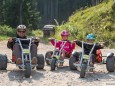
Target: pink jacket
[(68, 46)]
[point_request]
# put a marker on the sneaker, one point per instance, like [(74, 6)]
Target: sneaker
[(61, 64), (19, 61), (34, 60), (78, 62), (91, 64)]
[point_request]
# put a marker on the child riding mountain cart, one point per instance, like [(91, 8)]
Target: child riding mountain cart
[(27, 62), (91, 54), (24, 51), (63, 49)]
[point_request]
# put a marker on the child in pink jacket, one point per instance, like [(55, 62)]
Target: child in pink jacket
[(68, 47)]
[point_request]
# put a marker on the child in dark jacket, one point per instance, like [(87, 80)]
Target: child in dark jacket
[(88, 46)]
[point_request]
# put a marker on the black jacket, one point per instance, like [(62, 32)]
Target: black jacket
[(88, 47), (11, 44)]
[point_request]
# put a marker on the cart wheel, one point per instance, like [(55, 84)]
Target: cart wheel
[(71, 61), (83, 70), (47, 56), (53, 64), (27, 70), (3, 62), (110, 64), (19, 67), (41, 62)]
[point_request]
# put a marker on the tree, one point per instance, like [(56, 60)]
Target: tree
[(21, 12)]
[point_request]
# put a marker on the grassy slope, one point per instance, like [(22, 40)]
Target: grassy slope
[(97, 20)]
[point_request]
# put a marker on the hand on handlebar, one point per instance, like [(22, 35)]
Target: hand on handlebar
[(10, 39), (75, 40), (36, 39)]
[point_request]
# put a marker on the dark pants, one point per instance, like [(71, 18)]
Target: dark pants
[(18, 53), (79, 54)]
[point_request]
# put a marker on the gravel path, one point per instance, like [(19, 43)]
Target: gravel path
[(63, 76)]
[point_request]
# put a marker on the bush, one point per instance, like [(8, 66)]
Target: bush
[(37, 33), (7, 30)]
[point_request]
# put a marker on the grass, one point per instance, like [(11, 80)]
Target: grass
[(3, 37), (99, 19)]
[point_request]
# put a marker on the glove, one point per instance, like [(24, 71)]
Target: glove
[(36, 39), (10, 39)]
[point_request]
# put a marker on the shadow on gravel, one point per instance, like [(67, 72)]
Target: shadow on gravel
[(65, 69), (98, 76), (19, 75)]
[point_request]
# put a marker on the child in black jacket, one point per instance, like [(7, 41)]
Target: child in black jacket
[(88, 46)]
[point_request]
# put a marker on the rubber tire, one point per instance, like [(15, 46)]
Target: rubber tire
[(3, 62), (71, 61), (53, 64), (40, 62), (47, 62), (19, 67), (27, 70), (110, 64), (83, 70)]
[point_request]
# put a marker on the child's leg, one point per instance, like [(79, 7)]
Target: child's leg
[(93, 59), (34, 53), (77, 55), (17, 52), (63, 55)]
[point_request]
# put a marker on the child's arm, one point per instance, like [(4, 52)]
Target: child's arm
[(79, 43), (52, 40), (99, 46), (73, 45), (10, 43)]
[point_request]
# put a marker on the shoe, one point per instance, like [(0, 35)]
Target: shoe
[(91, 64), (34, 61), (78, 62), (61, 64), (19, 61)]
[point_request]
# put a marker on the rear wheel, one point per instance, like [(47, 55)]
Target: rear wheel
[(3, 62), (27, 70), (110, 64), (48, 56), (72, 60), (53, 64), (83, 70), (40, 62)]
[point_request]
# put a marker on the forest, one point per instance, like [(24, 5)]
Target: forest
[(36, 13)]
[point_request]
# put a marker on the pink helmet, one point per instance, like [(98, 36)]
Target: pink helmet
[(64, 33)]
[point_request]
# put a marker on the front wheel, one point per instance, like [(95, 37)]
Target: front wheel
[(110, 64), (27, 70), (53, 64), (83, 70)]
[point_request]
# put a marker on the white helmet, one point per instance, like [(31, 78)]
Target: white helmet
[(21, 27)]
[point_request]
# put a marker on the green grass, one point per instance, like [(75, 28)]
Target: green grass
[(3, 37), (99, 20), (37, 33)]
